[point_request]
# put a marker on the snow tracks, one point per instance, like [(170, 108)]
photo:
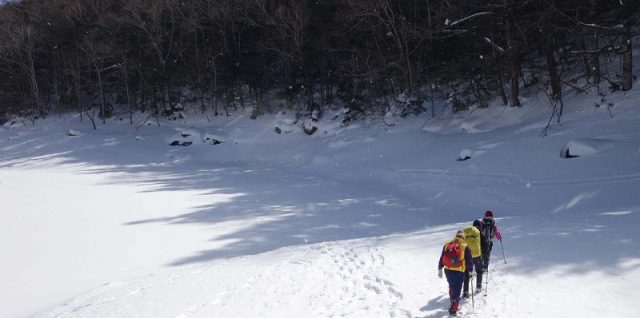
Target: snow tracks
[(354, 283), (335, 279)]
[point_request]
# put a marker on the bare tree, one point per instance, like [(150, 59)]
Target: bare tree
[(286, 24), (156, 23), (18, 25), (397, 36)]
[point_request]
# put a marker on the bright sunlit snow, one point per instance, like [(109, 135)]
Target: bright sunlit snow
[(349, 222)]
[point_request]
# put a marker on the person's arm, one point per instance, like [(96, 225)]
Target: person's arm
[(440, 264), (498, 235), (468, 260)]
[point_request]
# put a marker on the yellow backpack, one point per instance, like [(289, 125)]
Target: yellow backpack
[(472, 235)]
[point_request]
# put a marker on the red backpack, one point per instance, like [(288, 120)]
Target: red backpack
[(452, 256)]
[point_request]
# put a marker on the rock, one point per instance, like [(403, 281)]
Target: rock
[(213, 139), (73, 133), (585, 147), (465, 155), (310, 130)]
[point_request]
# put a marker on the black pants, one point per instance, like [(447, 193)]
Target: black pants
[(486, 255), (485, 261), (478, 264)]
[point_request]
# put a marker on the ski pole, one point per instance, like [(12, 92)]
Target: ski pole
[(502, 248)]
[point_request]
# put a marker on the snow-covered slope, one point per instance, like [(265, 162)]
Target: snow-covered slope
[(348, 222)]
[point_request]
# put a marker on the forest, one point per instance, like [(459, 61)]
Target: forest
[(104, 58)]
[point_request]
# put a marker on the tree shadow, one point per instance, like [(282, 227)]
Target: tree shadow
[(275, 206), (298, 210), (270, 207)]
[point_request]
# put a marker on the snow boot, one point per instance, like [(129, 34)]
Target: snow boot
[(455, 306)]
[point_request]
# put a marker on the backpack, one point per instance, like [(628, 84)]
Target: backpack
[(473, 240), (484, 240), (487, 228), (452, 256)]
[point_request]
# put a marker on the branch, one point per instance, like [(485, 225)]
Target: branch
[(112, 66), (615, 28), (475, 15), (496, 46)]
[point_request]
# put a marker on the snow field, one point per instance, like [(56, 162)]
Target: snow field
[(346, 223)]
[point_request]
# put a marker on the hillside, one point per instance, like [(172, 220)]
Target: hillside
[(348, 222)]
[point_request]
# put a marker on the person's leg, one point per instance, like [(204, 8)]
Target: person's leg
[(465, 286), (455, 285), (450, 280), (485, 257), (478, 263)]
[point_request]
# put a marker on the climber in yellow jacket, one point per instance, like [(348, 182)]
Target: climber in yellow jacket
[(457, 262), (473, 238)]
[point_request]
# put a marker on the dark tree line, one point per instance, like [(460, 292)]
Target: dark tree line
[(98, 57)]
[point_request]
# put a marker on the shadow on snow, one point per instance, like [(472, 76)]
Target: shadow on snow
[(276, 207)]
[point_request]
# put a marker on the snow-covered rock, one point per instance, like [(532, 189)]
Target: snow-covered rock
[(465, 154), (284, 126), (184, 137), (74, 133), (213, 139), (585, 147)]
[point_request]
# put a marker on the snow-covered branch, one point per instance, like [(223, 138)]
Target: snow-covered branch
[(496, 46), (613, 28), (448, 22), (111, 67)]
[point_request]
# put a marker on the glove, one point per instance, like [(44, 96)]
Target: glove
[(439, 272)]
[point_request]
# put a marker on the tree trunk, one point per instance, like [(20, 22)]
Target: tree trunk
[(76, 84), (515, 88), (101, 90), (627, 62), (56, 92), (126, 87), (501, 92), (35, 91), (514, 59), (556, 87), (594, 61)]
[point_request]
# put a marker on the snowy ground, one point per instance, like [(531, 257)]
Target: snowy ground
[(349, 222)]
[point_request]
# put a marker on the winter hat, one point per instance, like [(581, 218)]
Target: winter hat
[(460, 234), (477, 223), (488, 213)]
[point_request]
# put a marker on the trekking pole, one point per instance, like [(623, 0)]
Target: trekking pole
[(486, 285), (502, 248), (473, 303)]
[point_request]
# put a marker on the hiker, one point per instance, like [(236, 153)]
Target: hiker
[(473, 239), (489, 232), (457, 261)]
